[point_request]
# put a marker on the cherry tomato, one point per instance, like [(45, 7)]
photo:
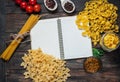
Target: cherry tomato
[(37, 8), (23, 4), (32, 2), (29, 9), (18, 2)]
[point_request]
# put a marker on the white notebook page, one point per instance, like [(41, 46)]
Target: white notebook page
[(75, 45), (44, 35)]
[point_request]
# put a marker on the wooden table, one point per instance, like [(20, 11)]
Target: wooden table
[(12, 18)]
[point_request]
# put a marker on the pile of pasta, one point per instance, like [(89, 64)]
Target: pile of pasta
[(41, 67), (97, 18)]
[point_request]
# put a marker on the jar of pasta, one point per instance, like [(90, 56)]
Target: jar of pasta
[(110, 41)]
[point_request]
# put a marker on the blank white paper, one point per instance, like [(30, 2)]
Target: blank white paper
[(75, 45), (44, 35)]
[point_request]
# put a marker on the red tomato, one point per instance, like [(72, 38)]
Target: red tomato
[(23, 4), (29, 9), (32, 2), (37, 8), (18, 1)]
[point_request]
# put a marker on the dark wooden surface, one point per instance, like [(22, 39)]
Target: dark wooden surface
[(12, 18)]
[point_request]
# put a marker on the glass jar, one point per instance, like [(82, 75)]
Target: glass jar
[(110, 41), (92, 64)]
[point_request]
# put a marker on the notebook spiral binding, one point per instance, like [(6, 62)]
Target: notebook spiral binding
[(60, 39)]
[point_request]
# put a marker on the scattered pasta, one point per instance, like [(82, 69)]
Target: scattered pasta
[(41, 67), (97, 18)]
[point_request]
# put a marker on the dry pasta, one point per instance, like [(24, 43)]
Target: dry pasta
[(41, 67), (111, 40), (98, 17), (32, 20)]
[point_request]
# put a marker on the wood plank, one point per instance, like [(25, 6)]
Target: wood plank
[(15, 22), (2, 44)]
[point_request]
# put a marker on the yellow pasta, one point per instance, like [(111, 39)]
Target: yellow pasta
[(98, 17), (41, 67), (32, 20), (111, 41)]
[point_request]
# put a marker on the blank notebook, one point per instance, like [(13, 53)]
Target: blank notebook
[(61, 38)]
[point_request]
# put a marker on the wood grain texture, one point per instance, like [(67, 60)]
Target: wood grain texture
[(12, 18)]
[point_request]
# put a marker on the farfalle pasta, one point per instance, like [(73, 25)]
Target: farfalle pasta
[(41, 67), (97, 18)]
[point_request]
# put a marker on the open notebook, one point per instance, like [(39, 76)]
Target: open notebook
[(61, 38)]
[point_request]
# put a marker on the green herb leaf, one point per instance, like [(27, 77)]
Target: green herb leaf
[(97, 52)]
